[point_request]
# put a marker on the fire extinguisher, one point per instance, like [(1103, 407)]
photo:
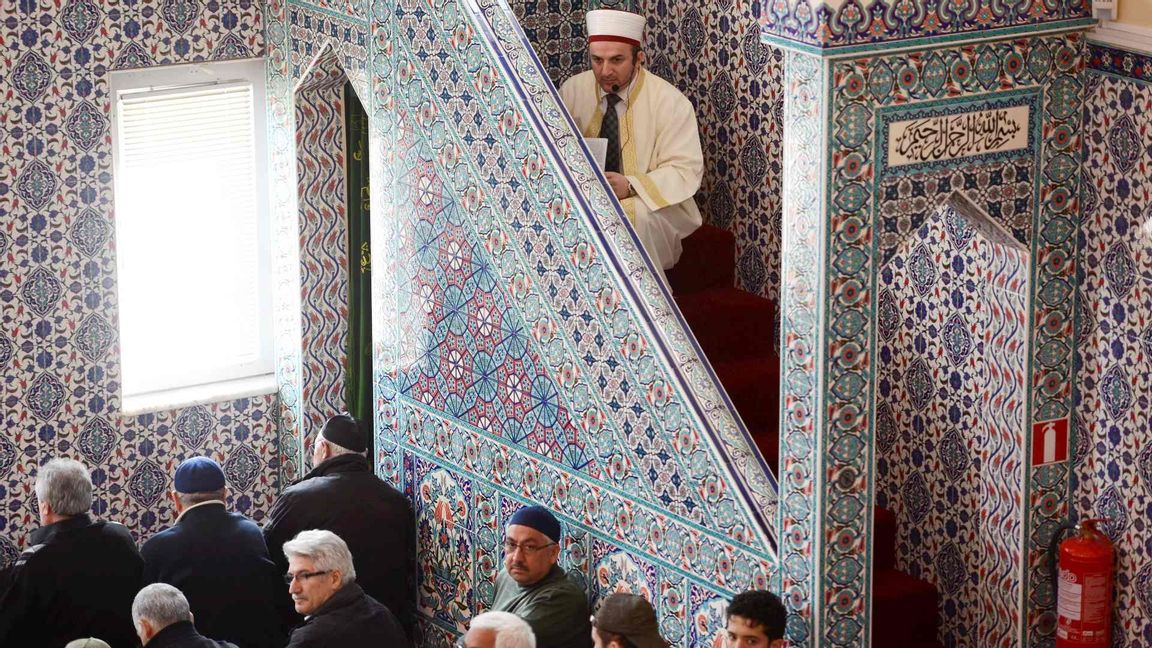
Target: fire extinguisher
[(1083, 578)]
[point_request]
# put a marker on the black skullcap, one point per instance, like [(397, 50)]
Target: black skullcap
[(539, 518), (344, 431)]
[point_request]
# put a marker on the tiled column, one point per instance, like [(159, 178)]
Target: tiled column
[(856, 79)]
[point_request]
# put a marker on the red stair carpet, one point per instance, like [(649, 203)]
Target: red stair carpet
[(735, 330)]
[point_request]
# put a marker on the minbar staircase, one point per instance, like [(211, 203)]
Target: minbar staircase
[(735, 330)]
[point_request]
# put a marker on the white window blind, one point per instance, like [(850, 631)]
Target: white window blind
[(192, 253)]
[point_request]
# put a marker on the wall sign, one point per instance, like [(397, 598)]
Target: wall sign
[(948, 133), (950, 137), (1049, 441)]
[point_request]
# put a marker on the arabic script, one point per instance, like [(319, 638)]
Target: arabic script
[(949, 137)]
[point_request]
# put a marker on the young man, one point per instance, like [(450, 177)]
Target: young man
[(756, 619)]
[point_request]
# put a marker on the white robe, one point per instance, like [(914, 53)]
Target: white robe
[(659, 153)]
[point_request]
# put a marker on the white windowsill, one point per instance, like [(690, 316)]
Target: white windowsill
[(217, 392), (1127, 37)]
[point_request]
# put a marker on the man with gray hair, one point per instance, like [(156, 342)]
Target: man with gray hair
[(344, 496), (322, 581), (498, 630), (162, 619), (78, 576)]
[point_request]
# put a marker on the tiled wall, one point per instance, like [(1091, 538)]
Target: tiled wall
[(950, 410), (712, 52), (1114, 458), (864, 207), (515, 364), (836, 23), (58, 341), (320, 172)]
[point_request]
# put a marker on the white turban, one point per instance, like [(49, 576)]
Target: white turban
[(613, 25)]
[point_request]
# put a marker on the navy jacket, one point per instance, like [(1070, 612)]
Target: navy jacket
[(350, 619), (219, 560), (77, 579), (344, 496), (184, 635)]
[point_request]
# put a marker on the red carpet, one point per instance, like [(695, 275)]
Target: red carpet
[(735, 330)]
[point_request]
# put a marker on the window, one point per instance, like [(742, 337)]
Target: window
[(192, 232)]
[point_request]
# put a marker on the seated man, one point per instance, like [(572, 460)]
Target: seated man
[(344, 496), (654, 162), (497, 630), (533, 587), (626, 621), (79, 575), (218, 560), (163, 620), (321, 580), (755, 618)]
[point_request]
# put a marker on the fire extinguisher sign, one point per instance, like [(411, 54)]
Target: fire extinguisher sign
[(1049, 441)]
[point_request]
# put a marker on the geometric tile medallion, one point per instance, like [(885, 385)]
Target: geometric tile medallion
[(45, 395), (31, 76), (80, 18), (90, 232), (180, 14), (41, 291), (36, 184)]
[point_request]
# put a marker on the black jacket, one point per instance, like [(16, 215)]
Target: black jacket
[(184, 635), (343, 496), (350, 619), (219, 560), (77, 579)]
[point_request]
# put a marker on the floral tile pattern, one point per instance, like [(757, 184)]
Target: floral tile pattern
[(951, 397), (58, 343), (1113, 469)]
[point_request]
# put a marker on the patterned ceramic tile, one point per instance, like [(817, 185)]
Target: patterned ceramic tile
[(839, 23), (1114, 468), (58, 342), (519, 362), (867, 196), (320, 151), (950, 404)]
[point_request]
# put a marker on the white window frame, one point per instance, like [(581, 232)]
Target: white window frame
[(243, 379)]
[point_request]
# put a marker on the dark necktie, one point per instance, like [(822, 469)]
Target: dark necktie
[(610, 130)]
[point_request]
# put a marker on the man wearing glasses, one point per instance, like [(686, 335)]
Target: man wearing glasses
[(322, 581), (533, 587)]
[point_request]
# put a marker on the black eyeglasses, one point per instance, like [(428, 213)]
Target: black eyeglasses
[(510, 547), (302, 576)]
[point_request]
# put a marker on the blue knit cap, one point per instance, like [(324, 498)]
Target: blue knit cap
[(539, 518), (198, 475)]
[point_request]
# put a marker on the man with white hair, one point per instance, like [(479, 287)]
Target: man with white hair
[(78, 576), (162, 619), (498, 630), (344, 496), (322, 581), (654, 162)]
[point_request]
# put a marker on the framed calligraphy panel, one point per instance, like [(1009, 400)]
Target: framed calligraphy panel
[(935, 134)]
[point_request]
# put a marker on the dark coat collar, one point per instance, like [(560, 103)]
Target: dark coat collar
[(345, 463), (45, 533), (343, 597), (178, 630)]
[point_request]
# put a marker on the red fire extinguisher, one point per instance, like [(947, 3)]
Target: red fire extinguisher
[(1084, 587)]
